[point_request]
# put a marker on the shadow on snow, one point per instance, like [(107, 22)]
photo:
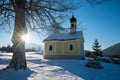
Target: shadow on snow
[(11, 74)]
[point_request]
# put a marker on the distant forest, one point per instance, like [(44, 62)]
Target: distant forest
[(10, 49)]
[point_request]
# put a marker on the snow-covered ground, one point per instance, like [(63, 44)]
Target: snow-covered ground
[(44, 69)]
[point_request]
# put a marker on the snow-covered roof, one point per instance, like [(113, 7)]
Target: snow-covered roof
[(64, 36)]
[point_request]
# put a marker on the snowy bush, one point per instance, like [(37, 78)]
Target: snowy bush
[(94, 64), (106, 59), (116, 60)]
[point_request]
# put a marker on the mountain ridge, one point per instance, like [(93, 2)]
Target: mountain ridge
[(113, 50), (32, 46)]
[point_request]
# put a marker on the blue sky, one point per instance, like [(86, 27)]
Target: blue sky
[(101, 22)]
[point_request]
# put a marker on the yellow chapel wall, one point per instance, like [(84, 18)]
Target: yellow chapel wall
[(75, 47), (46, 48), (81, 45), (61, 47)]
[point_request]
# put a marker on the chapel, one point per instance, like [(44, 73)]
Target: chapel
[(67, 45)]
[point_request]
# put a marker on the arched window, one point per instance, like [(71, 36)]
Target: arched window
[(70, 47), (50, 47)]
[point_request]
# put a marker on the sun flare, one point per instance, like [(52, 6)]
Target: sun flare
[(25, 38)]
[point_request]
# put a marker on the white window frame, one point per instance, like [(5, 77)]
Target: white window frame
[(69, 47), (49, 47)]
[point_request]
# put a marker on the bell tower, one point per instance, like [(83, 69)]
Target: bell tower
[(73, 25)]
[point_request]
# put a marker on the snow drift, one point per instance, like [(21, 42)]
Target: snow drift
[(45, 69)]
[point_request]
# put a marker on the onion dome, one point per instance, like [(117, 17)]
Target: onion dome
[(73, 19)]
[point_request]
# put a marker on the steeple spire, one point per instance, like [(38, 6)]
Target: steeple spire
[(73, 24), (73, 19)]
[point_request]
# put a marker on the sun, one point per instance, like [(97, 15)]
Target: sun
[(25, 38)]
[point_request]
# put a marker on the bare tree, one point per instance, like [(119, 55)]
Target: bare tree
[(97, 2), (35, 14)]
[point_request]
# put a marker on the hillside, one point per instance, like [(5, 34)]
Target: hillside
[(113, 50)]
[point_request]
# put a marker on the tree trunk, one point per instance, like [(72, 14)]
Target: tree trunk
[(18, 58)]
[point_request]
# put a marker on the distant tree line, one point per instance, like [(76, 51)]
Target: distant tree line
[(6, 48), (30, 50), (10, 49)]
